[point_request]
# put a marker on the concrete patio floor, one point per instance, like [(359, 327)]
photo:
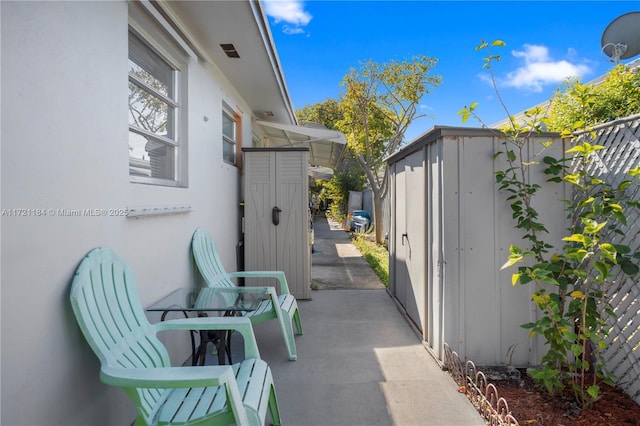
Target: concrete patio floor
[(359, 360)]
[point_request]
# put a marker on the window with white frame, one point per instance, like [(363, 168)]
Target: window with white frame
[(157, 152), (229, 134)]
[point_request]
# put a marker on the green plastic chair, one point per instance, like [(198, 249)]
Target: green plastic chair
[(108, 310), (285, 310)]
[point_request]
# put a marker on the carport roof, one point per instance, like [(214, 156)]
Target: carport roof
[(326, 146)]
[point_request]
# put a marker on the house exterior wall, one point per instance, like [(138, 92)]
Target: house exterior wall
[(65, 149)]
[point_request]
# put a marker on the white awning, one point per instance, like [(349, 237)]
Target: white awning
[(322, 173), (326, 146)]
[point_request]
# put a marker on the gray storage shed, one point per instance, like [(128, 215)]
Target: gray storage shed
[(276, 216), (450, 233)]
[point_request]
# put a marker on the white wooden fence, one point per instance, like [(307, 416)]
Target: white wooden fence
[(621, 139)]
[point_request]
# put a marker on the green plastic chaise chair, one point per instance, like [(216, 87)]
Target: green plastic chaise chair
[(285, 309), (106, 305)]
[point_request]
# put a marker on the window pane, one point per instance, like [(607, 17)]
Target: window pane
[(147, 112), (228, 138), (228, 127), (147, 65), (228, 151), (154, 110), (163, 87), (151, 158)]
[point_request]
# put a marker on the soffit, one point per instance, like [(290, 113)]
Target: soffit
[(256, 74)]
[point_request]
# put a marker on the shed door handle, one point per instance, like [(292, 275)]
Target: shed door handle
[(406, 236), (275, 215)]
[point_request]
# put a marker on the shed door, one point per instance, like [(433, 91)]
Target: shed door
[(401, 275), (292, 234), (260, 197), (278, 180), (410, 267)]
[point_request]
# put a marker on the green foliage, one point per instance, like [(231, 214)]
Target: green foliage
[(337, 191), (336, 212), (570, 282), (375, 254), (327, 113), (587, 105)]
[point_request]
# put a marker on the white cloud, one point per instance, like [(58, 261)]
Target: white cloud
[(532, 53), (292, 30), (540, 69), (289, 12)]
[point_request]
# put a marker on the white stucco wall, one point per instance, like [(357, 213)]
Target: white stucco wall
[(65, 146)]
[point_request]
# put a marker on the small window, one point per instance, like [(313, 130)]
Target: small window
[(229, 135), (155, 113)]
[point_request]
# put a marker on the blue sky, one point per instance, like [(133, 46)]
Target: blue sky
[(319, 41)]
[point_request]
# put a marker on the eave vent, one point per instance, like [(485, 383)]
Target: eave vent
[(229, 50)]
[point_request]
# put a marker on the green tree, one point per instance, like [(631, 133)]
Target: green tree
[(618, 95), (327, 113), (337, 191), (380, 103)]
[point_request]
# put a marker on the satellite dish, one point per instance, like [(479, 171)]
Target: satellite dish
[(621, 38)]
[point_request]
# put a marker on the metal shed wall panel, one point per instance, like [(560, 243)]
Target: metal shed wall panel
[(435, 255), (460, 227)]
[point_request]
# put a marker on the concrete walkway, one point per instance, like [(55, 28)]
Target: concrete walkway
[(359, 360)]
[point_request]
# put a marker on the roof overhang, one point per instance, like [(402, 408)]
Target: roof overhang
[(256, 72), (326, 146)]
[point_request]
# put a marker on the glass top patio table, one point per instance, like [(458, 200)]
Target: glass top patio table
[(231, 301), (202, 299)]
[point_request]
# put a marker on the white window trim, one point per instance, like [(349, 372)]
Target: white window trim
[(155, 35)]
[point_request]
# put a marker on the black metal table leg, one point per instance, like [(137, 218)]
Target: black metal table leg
[(194, 357)]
